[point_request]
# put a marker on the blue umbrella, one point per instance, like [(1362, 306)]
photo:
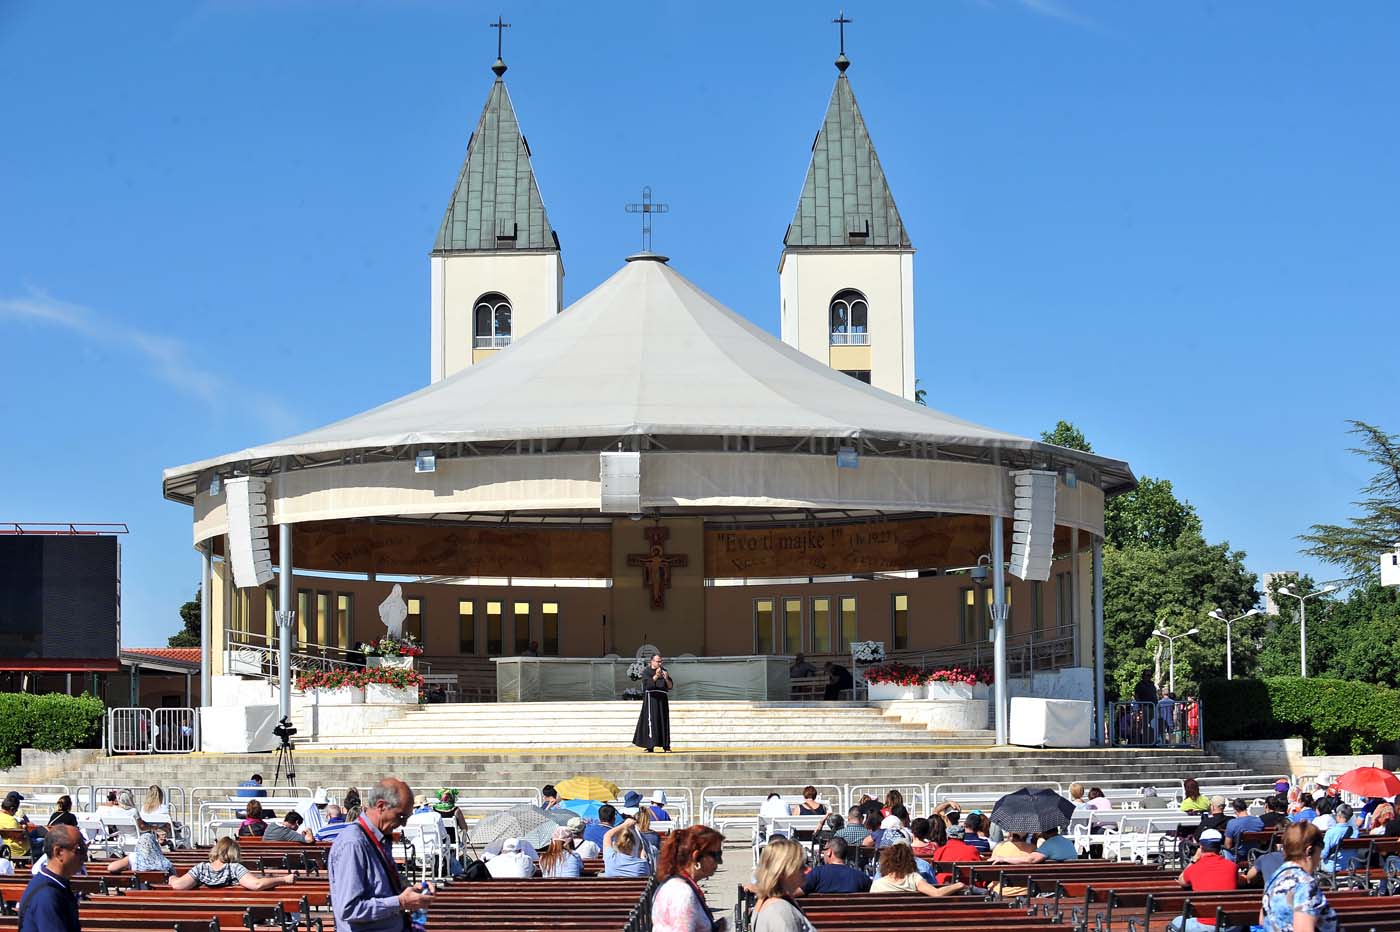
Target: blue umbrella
[(588, 808)]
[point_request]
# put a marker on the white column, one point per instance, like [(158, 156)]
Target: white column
[(286, 619), (1099, 708), (206, 624)]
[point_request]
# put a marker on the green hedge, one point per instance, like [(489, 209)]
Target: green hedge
[(1332, 716), (52, 722)]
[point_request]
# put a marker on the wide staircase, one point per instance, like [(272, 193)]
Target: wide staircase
[(694, 726)]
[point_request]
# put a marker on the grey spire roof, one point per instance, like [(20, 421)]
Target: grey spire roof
[(496, 204), (846, 200)]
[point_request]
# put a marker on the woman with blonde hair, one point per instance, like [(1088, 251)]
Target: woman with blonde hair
[(652, 839), (899, 874), (624, 852), (225, 869), (779, 877), (688, 856)]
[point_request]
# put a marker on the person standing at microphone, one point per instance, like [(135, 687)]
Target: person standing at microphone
[(654, 722)]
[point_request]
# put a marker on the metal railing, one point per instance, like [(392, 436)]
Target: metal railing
[(248, 653), (1155, 724), (850, 339), (497, 341), (152, 731)]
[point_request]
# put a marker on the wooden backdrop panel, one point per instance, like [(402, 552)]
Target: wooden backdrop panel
[(868, 547), (354, 546)]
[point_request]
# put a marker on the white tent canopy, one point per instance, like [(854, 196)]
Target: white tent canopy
[(646, 353)]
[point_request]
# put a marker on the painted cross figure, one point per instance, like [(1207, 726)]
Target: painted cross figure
[(657, 564)]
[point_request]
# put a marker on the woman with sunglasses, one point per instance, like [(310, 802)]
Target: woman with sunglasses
[(687, 857)]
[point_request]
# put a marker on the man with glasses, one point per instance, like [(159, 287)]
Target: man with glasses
[(367, 892), (49, 903)]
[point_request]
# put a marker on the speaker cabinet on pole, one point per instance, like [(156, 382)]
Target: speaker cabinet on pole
[(621, 475), (249, 551), (1033, 533)]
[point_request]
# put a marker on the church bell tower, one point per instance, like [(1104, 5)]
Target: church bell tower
[(846, 276), (497, 272)]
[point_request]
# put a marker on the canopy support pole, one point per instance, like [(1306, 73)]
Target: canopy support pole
[(999, 613), (286, 618), (206, 620), (1101, 731)]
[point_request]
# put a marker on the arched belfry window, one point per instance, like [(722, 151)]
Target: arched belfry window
[(492, 321), (849, 319)]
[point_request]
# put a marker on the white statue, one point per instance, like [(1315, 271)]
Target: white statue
[(393, 611)]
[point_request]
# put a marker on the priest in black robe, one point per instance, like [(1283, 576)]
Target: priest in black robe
[(654, 722)]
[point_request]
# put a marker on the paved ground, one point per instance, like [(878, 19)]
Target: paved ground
[(721, 890)]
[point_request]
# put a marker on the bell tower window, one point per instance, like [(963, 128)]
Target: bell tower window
[(491, 318), (849, 319)]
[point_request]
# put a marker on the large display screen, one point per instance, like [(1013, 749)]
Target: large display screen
[(60, 596)]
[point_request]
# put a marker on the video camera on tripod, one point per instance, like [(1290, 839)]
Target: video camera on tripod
[(283, 731)]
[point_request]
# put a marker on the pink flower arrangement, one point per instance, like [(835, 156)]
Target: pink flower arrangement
[(894, 672), (971, 676), (358, 679)]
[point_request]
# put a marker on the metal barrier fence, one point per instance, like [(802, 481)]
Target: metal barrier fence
[(1164, 724), (152, 731)]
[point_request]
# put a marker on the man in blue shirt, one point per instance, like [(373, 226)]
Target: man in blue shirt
[(1057, 847), (833, 875), (49, 903), (594, 831), (368, 894), (252, 788), (335, 824), (1243, 822), (972, 833)]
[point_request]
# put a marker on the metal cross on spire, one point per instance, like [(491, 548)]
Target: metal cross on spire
[(646, 208), (500, 25), (842, 62)]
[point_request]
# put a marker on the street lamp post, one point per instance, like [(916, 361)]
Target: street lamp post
[(1303, 621), (1229, 647), (1171, 640)]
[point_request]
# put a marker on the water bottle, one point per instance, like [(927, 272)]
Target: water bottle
[(419, 919)]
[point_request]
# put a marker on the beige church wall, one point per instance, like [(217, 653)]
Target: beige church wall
[(680, 625), (850, 358), (532, 282), (934, 609), (808, 280)]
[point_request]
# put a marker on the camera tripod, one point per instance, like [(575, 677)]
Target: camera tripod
[(285, 763)]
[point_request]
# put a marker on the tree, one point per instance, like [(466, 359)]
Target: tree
[(189, 635), (1175, 588), (1067, 435), (1149, 516), (1358, 544)]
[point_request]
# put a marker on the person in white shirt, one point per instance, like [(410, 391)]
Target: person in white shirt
[(773, 808), (512, 862), (584, 848)]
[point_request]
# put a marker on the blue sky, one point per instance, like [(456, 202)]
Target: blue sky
[(1174, 224)]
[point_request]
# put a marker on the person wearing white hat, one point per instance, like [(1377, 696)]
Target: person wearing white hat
[(657, 800), (512, 862), (1209, 871)]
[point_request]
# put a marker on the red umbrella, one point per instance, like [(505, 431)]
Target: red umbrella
[(1369, 781)]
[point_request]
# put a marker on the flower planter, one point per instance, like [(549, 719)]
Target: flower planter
[(882, 691), (981, 691), (393, 663), (380, 694), (346, 695), (942, 690)]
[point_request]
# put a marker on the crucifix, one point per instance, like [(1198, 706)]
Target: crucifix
[(657, 564), (842, 62), (500, 25), (646, 208)]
